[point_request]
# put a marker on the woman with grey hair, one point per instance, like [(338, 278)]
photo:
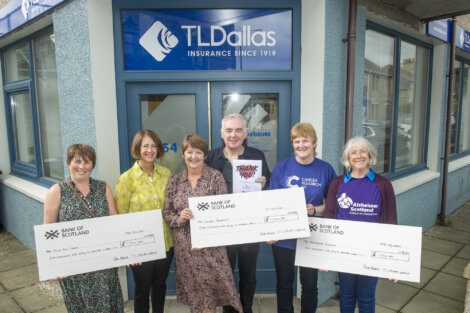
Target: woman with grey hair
[(360, 195)]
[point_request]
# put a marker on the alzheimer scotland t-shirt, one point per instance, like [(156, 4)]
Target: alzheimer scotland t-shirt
[(359, 199)]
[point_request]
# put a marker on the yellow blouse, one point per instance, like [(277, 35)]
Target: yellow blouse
[(137, 192)]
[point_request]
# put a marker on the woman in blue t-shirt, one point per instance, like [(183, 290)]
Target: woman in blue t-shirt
[(305, 170), (360, 195)]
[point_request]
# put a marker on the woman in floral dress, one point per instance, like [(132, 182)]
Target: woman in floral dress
[(75, 199), (203, 276)]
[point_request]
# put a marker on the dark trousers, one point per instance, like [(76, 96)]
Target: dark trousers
[(247, 255), (285, 274), (358, 288), (150, 279)]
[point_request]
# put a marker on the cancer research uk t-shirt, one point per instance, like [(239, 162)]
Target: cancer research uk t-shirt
[(314, 177), (359, 199)]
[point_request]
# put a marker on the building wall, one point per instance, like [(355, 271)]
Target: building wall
[(334, 84), (75, 86), (85, 70), (21, 204), (19, 213), (458, 190), (100, 29), (313, 63)]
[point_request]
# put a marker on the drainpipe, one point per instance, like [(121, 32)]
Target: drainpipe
[(351, 40), (450, 82)]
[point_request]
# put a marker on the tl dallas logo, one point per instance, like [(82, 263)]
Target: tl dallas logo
[(158, 41)]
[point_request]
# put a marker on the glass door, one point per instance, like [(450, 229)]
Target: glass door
[(172, 110), (175, 109), (267, 108)]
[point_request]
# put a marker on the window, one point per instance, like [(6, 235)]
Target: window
[(32, 107), (395, 100), (460, 114)]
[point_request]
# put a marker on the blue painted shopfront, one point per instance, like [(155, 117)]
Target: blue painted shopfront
[(181, 67)]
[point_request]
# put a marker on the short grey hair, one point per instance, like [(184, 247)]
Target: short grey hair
[(363, 143), (234, 116)]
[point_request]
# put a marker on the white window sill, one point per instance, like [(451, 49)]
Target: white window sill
[(459, 163), (409, 182), (28, 188)]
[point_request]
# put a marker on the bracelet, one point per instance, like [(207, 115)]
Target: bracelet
[(314, 211)]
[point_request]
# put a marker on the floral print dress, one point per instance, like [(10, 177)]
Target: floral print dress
[(94, 292), (204, 278)]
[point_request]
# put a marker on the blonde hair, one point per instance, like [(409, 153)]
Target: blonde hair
[(305, 130)]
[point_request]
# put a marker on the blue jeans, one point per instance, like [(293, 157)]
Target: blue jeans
[(358, 288), (285, 275)]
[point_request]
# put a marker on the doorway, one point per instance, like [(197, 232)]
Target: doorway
[(175, 109)]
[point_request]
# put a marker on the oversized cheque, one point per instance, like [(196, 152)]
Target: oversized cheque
[(87, 245), (248, 217), (373, 249)]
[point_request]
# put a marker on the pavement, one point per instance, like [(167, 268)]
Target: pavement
[(445, 255)]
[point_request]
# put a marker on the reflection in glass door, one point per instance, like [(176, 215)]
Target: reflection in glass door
[(265, 105), (261, 112), (162, 114), (172, 110)]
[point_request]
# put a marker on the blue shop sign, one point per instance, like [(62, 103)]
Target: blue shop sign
[(462, 39), (212, 39), (439, 29), (15, 13)]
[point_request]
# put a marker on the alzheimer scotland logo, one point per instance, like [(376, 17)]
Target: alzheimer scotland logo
[(158, 40), (344, 201)]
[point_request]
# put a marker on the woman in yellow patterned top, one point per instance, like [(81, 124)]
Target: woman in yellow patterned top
[(142, 188)]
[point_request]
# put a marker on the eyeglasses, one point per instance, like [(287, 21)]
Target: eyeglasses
[(237, 131)]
